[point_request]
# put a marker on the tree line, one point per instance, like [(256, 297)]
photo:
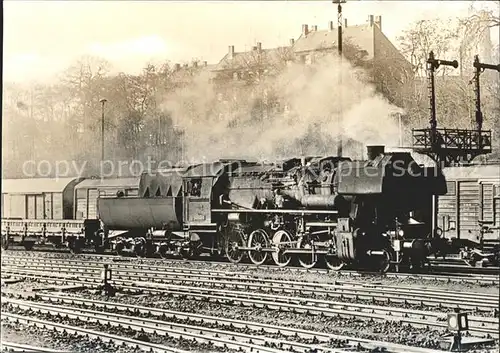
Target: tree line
[(62, 120)]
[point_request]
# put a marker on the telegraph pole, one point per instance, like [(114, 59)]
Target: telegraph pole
[(103, 101), (339, 46)]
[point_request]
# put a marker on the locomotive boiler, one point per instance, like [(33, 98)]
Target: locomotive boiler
[(373, 213)]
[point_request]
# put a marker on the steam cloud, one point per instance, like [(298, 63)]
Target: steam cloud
[(216, 127)]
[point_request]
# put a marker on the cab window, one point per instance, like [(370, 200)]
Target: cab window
[(194, 188)]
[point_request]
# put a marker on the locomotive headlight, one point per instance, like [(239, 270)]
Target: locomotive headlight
[(401, 232)]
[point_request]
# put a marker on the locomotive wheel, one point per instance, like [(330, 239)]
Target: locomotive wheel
[(139, 250), (75, 246), (162, 250), (119, 248), (5, 242), (306, 260), (334, 263), (280, 259), (235, 239), (187, 254), (140, 247), (99, 249), (28, 245), (258, 239), (383, 263)]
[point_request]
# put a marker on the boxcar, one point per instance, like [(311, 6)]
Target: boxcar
[(87, 192), (39, 198), (470, 210)]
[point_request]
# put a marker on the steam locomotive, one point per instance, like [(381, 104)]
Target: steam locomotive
[(371, 214), (368, 214)]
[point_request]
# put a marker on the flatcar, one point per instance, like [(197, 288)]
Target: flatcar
[(59, 211)]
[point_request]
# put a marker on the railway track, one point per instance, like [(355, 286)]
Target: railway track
[(15, 347), (289, 338), (343, 290), (81, 331), (489, 279), (443, 270), (218, 289)]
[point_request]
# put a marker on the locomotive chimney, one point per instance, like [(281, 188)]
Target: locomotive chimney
[(375, 151), (292, 42)]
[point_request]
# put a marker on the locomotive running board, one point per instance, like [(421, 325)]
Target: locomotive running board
[(299, 212)]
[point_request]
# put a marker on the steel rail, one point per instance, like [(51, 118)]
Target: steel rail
[(146, 346), (440, 276), (409, 295), (16, 347), (219, 338), (305, 305), (234, 323), (118, 265)]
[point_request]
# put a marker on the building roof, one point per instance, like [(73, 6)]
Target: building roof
[(252, 58), (359, 35), (35, 185), (184, 73)]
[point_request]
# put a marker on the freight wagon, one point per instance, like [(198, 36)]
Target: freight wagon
[(469, 213), (59, 211)]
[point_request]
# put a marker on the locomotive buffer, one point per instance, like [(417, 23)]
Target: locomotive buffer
[(452, 146)]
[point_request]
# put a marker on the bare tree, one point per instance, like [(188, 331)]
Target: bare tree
[(435, 35)]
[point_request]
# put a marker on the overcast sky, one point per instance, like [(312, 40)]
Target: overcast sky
[(43, 37)]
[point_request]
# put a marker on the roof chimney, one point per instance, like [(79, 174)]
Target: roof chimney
[(378, 21), (231, 51), (177, 67), (370, 20), (259, 46), (305, 30), (315, 28), (292, 42), (330, 26), (345, 22)]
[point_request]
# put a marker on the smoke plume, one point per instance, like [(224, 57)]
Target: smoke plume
[(294, 113)]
